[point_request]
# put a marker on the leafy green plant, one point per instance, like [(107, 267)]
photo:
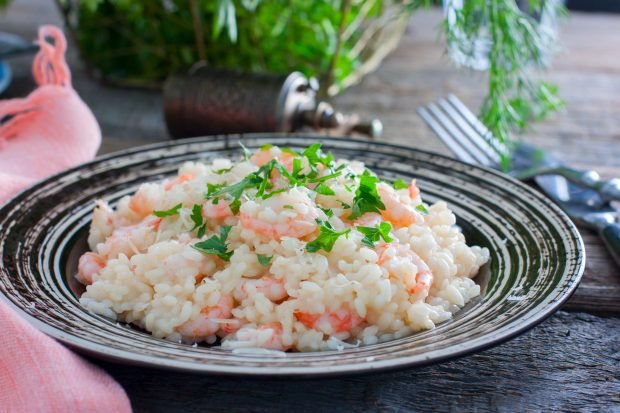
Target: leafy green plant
[(338, 41), (142, 42), (517, 44)]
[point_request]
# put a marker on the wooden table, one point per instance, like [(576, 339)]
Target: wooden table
[(570, 362)]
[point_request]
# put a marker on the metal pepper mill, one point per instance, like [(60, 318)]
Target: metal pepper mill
[(209, 101)]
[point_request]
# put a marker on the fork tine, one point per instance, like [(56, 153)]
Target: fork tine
[(487, 136), (459, 137), (445, 137), (474, 137)]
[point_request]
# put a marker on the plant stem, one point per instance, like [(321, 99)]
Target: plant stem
[(198, 31), (344, 11)]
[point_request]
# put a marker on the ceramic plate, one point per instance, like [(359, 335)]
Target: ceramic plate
[(537, 258)]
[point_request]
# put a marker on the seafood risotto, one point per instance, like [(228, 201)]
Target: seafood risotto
[(281, 250)]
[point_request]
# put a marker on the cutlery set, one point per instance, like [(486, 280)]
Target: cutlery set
[(587, 199)]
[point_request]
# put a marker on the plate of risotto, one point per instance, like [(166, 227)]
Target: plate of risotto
[(284, 255)]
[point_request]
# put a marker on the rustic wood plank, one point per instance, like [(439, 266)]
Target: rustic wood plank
[(569, 363)]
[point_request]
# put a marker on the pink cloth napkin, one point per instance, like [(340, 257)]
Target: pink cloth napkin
[(50, 130)]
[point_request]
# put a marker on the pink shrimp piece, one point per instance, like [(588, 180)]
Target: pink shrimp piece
[(296, 220), (146, 200), (272, 288), (337, 321), (89, 265), (396, 212), (267, 336), (368, 220), (208, 321), (130, 239), (413, 189), (262, 157), (218, 211), (392, 256), (178, 180)]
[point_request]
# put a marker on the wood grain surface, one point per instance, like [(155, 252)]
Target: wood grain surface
[(569, 363)]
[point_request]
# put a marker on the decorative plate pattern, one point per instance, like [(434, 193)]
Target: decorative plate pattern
[(537, 258)]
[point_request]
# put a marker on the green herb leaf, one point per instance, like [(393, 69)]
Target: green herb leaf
[(222, 171), (327, 237), (421, 208), (264, 260), (169, 212), (324, 189), (327, 211), (235, 205), (196, 216), (400, 184), (216, 245), (202, 230), (287, 206), (366, 197), (247, 154), (315, 155), (344, 205), (374, 234), (266, 147)]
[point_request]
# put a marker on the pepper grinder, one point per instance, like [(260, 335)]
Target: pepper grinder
[(208, 101)]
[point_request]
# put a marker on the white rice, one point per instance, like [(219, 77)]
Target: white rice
[(152, 277)]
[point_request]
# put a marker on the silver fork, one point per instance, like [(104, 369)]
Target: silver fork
[(472, 142)]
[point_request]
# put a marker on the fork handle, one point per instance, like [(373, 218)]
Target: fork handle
[(611, 237), (608, 188)]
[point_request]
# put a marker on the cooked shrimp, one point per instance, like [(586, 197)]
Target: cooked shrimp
[(368, 220), (103, 224), (263, 156), (146, 200), (130, 239), (331, 322), (217, 211), (177, 181), (413, 189), (289, 214), (208, 321), (400, 261), (396, 211), (89, 265), (265, 336), (272, 288)]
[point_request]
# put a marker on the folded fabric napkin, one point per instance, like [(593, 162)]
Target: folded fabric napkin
[(50, 130)]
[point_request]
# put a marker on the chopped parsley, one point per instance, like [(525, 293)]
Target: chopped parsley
[(234, 206), (374, 234), (400, 184), (264, 260), (421, 208), (324, 189), (316, 156), (344, 205), (327, 211), (287, 206), (169, 212), (247, 154), (327, 237), (216, 245), (266, 147), (366, 197), (196, 217), (222, 171)]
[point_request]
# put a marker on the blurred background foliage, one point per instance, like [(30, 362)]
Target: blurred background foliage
[(139, 43)]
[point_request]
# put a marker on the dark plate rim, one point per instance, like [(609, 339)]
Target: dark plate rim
[(125, 357)]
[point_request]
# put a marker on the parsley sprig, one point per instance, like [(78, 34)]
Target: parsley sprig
[(264, 260), (169, 212), (374, 234), (196, 217), (327, 237), (216, 245), (366, 197)]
